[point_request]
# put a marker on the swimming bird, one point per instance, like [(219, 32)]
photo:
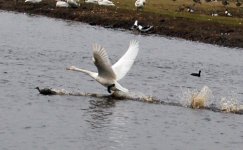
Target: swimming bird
[(61, 3), (196, 74), (32, 1), (106, 3), (46, 91), (108, 75)]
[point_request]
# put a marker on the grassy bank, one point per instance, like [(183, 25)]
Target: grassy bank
[(168, 17), (177, 8)]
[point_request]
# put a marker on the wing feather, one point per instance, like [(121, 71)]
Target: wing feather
[(123, 65), (101, 61)]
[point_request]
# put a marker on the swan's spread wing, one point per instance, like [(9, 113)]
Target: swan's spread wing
[(123, 65), (102, 62)]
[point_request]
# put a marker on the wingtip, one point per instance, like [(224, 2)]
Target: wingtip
[(96, 47), (134, 42)]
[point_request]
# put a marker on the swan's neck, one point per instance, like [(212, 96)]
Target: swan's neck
[(90, 73)]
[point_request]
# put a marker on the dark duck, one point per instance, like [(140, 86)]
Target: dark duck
[(196, 74)]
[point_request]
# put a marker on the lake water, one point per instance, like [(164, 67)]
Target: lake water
[(35, 51)]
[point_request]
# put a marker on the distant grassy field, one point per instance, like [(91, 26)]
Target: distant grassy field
[(177, 9)]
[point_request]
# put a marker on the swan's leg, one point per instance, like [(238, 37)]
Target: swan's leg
[(109, 87)]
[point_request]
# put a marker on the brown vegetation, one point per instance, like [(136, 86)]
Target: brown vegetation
[(230, 35)]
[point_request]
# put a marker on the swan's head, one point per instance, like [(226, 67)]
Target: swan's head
[(71, 68)]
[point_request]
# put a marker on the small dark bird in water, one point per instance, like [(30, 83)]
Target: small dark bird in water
[(46, 91), (196, 74)]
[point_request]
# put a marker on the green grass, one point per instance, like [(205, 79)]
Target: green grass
[(170, 8)]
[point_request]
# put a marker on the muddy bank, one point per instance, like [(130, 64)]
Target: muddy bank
[(207, 32)]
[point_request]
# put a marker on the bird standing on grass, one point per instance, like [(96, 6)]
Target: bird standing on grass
[(139, 4), (105, 3), (73, 3), (61, 3)]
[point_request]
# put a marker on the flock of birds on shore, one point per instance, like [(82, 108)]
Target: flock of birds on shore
[(76, 3), (225, 3), (139, 4)]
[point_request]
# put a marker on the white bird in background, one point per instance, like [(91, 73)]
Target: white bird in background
[(106, 3), (61, 3), (73, 3), (108, 75), (32, 1), (91, 1), (227, 13), (140, 4)]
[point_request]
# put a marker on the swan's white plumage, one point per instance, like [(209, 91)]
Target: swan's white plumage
[(119, 87), (123, 65), (108, 75), (102, 62)]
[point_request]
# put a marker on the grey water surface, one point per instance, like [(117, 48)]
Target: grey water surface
[(35, 50)]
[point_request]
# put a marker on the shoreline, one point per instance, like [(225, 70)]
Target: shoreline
[(112, 17)]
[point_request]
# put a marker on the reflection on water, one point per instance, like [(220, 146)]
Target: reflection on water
[(35, 52), (99, 112)]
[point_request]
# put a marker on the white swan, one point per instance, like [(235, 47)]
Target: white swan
[(108, 75), (140, 4), (106, 3), (61, 3), (91, 1), (32, 1)]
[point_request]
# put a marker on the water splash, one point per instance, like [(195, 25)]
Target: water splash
[(197, 99), (137, 96), (190, 98), (230, 104)]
